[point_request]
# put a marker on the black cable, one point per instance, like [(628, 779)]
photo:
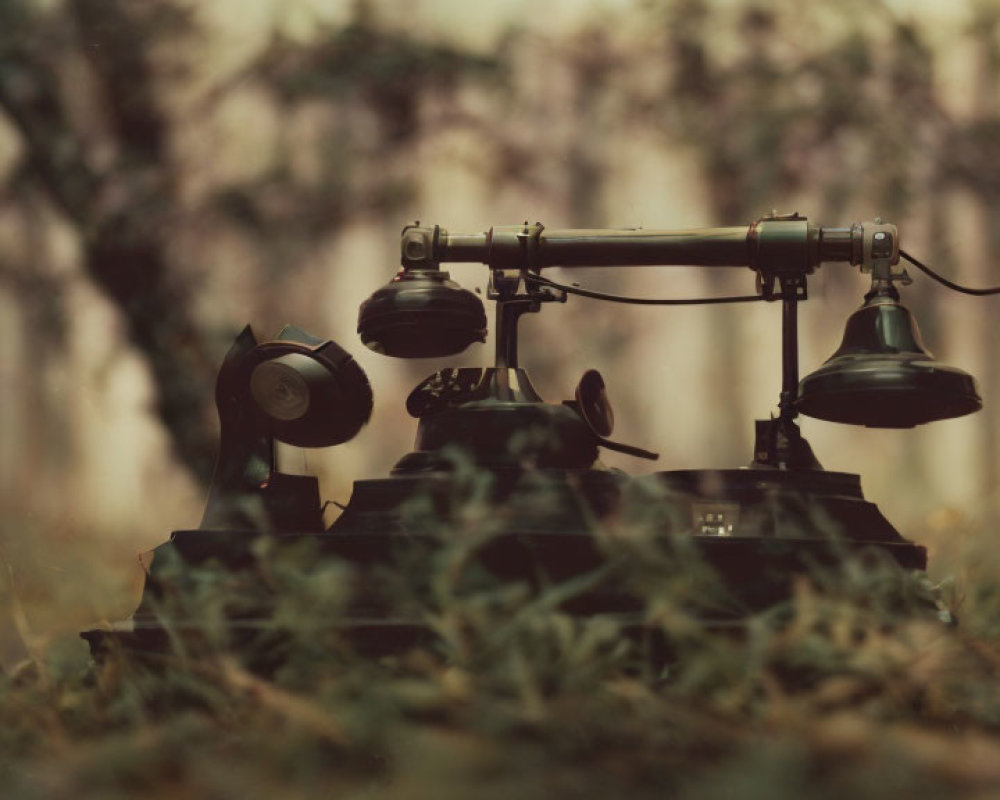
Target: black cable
[(640, 301), (944, 281)]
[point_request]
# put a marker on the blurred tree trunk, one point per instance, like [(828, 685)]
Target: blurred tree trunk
[(123, 210)]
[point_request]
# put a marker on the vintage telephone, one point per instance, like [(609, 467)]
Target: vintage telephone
[(756, 525)]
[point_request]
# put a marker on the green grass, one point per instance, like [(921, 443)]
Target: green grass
[(853, 688)]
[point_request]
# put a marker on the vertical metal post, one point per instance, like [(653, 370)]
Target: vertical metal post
[(779, 442), (789, 349), (506, 333)]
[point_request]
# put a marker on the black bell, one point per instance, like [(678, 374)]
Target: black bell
[(883, 377), (421, 314)]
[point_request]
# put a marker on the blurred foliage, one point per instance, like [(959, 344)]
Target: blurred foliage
[(776, 101), (849, 687), (392, 72), (112, 171), (352, 69)]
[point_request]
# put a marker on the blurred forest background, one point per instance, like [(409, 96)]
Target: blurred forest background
[(172, 170)]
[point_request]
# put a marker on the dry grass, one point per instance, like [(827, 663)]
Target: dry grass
[(850, 689)]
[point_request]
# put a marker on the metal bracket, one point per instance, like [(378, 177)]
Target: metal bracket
[(880, 250), (514, 246), (419, 246), (528, 238), (774, 215), (792, 286)]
